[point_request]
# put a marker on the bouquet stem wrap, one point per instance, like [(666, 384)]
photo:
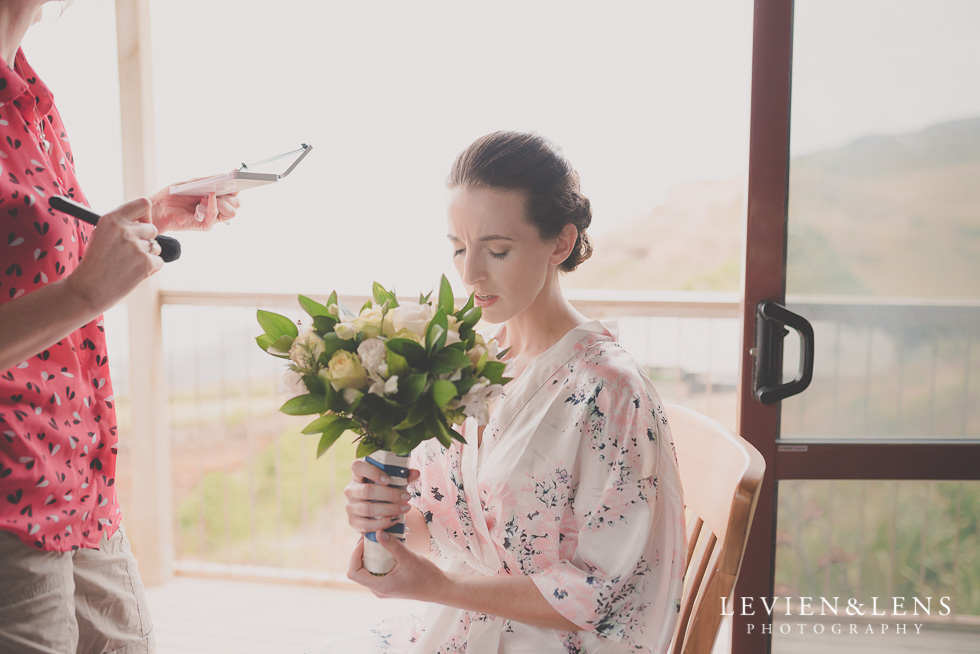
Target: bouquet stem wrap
[(377, 560)]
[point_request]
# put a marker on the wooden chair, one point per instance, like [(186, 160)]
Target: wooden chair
[(721, 474)]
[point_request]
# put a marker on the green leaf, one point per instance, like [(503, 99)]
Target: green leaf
[(366, 305), (481, 364), (365, 447), (494, 371), (472, 316), (412, 351), (381, 422), (281, 346), (443, 391), (266, 344), (445, 296), (332, 300), (464, 385), (324, 324), (313, 307), (435, 333), (416, 413), (304, 405), (318, 425), (276, 326), (466, 307), (435, 425), (326, 440), (412, 436), (352, 406), (432, 336), (334, 400), (397, 364), (382, 295), (452, 357), (410, 388)]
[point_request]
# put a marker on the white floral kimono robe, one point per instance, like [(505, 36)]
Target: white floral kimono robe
[(575, 484)]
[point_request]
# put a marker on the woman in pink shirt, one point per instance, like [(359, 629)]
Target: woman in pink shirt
[(68, 581)]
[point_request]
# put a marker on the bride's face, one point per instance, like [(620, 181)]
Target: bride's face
[(497, 252)]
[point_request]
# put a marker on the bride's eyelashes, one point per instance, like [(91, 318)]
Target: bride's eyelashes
[(495, 255)]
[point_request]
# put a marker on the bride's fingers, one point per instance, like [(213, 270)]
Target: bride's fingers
[(356, 559), (366, 525), (358, 492), (362, 470), (365, 509)]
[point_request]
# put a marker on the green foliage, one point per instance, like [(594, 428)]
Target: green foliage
[(866, 539), (390, 403)]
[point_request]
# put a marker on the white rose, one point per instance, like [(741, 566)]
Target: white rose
[(381, 386), (306, 349), (413, 317), (350, 395), (476, 354), (369, 321), (476, 402), (292, 384), (345, 330), (374, 356)]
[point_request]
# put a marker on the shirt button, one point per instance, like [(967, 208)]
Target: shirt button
[(46, 146)]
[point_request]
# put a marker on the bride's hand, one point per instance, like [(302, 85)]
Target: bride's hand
[(371, 503), (414, 577)]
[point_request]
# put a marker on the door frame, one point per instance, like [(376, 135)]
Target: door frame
[(764, 277)]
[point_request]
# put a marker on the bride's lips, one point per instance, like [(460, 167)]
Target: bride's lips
[(484, 301)]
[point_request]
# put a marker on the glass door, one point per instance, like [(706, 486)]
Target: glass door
[(863, 218)]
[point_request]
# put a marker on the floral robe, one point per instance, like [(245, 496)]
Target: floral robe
[(575, 484)]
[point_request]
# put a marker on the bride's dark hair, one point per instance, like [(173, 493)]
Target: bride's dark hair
[(518, 161)]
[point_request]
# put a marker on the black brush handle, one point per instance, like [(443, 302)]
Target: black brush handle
[(169, 247)]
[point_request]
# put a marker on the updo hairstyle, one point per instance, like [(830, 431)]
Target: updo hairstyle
[(517, 161)]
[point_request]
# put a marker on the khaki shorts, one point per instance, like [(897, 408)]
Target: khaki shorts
[(86, 601)]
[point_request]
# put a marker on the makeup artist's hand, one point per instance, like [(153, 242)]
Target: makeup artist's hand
[(119, 255), (190, 212)]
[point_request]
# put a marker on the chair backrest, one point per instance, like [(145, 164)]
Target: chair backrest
[(721, 474)]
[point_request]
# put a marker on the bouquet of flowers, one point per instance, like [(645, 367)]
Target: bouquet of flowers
[(393, 374)]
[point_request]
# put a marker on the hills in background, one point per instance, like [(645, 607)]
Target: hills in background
[(882, 215)]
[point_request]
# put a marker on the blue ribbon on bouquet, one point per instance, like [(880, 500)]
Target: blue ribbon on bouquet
[(398, 529), (392, 471)]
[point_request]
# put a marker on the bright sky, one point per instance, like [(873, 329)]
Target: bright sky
[(641, 95)]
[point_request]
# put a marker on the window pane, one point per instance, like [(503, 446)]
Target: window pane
[(642, 97), (86, 89), (884, 235), (873, 542)]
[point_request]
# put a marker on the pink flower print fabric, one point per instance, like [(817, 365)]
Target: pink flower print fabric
[(576, 486)]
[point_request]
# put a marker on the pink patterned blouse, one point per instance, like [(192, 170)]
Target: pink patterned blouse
[(57, 421)]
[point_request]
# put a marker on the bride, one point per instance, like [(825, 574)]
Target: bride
[(559, 526)]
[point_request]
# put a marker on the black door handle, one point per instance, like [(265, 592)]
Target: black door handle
[(767, 374)]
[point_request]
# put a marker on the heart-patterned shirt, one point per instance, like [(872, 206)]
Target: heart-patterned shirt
[(57, 416)]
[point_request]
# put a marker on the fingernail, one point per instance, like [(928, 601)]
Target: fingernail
[(199, 213), (404, 508), (385, 479), (406, 496)]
